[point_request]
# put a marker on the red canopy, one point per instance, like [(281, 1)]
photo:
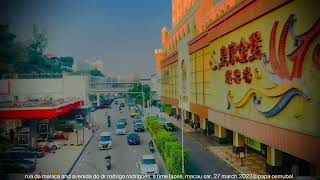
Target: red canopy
[(33, 114)]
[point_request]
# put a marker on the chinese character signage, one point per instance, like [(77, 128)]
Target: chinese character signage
[(242, 52)]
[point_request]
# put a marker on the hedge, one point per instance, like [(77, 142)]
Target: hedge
[(168, 146)]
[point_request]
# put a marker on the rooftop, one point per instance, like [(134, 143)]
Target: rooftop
[(37, 104)]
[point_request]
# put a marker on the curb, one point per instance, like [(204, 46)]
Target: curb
[(77, 159)]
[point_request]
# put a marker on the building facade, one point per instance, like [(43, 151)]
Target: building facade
[(99, 65), (34, 105), (247, 72)]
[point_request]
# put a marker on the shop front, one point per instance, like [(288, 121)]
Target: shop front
[(32, 125)]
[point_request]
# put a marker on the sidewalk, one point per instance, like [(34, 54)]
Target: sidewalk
[(61, 161), (255, 164)]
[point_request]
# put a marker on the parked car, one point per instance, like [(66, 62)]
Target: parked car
[(138, 127), (23, 152), (17, 166), (133, 139), (169, 126), (122, 120), (120, 128), (49, 143), (105, 141), (148, 165)]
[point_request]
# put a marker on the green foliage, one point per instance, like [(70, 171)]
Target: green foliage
[(24, 57), (168, 146), (95, 72), (138, 96), (167, 109)]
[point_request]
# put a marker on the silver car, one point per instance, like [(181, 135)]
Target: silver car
[(148, 165), (121, 128)]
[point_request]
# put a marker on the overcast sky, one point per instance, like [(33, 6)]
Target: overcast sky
[(122, 33)]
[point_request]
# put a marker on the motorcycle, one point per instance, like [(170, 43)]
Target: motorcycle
[(109, 121), (108, 161), (151, 146)]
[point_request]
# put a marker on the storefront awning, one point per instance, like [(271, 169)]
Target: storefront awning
[(35, 114)]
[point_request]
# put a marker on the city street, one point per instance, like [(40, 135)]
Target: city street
[(202, 161), (124, 157)]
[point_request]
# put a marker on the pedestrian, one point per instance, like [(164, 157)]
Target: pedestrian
[(11, 134), (245, 148)]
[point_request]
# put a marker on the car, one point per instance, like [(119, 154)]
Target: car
[(148, 165), (122, 120), (122, 105), (116, 102), (105, 141), (134, 115), (169, 126), (49, 143), (23, 152), (137, 121), (138, 127), (120, 128), (133, 139), (17, 166)]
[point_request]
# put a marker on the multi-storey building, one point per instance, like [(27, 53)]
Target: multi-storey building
[(247, 71)]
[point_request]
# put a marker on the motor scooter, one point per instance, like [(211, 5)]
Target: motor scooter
[(109, 121), (151, 147), (108, 161)]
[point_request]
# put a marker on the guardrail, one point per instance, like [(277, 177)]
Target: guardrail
[(32, 76)]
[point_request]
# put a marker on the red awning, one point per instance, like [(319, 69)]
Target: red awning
[(35, 114)]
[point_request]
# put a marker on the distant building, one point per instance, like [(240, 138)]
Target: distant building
[(99, 65), (155, 87)]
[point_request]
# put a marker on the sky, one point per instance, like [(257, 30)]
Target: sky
[(122, 33)]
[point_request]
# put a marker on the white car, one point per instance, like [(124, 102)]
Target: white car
[(105, 141), (148, 165), (121, 128), (51, 145)]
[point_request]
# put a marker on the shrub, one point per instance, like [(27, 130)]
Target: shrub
[(168, 146)]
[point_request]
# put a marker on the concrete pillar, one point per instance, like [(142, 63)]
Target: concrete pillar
[(274, 161), (98, 100), (238, 141), (193, 117), (220, 134), (203, 123)]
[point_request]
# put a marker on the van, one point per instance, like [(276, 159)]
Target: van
[(105, 140)]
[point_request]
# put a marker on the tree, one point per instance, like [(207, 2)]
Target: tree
[(21, 57), (95, 72), (138, 96)]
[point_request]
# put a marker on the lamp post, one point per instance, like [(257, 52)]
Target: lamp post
[(182, 148)]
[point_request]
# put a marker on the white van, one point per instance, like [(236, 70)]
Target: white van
[(105, 141)]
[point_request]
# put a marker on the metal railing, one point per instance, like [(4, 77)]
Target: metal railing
[(32, 76)]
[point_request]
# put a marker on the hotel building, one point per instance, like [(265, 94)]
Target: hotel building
[(248, 72)]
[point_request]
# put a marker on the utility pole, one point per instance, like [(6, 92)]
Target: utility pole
[(182, 148)]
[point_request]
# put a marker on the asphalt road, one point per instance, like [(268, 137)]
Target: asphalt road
[(124, 159), (203, 162)]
